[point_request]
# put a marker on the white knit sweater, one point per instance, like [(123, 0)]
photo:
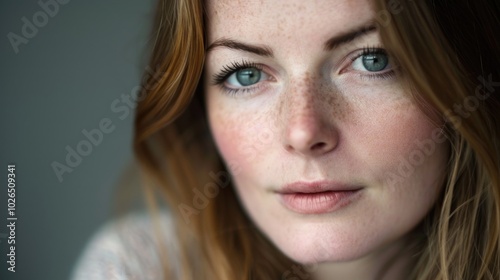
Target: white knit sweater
[(126, 249)]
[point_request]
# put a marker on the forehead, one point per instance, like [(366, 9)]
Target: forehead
[(274, 20)]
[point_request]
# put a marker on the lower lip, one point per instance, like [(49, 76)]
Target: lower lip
[(318, 203)]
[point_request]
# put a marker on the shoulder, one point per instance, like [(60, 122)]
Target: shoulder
[(127, 249)]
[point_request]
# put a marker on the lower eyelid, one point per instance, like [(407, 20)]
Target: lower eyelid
[(241, 90), (386, 75)]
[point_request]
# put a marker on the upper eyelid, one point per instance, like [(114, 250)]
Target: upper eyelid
[(231, 68), (370, 50), (357, 55), (353, 55)]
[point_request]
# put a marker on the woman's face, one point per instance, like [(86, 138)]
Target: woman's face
[(330, 157)]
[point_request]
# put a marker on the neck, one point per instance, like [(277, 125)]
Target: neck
[(392, 262)]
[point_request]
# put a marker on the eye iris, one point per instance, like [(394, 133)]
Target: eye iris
[(248, 76), (375, 62)]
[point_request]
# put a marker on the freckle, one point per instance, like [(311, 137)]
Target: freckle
[(335, 102), (330, 100)]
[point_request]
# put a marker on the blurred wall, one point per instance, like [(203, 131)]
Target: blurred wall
[(65, 68)]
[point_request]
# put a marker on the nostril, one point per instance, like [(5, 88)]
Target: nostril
[(318, 146), (289, 148)]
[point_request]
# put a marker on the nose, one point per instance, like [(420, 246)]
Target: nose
[(308, 127)]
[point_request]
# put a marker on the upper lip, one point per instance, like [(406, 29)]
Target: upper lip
[(316, 187)]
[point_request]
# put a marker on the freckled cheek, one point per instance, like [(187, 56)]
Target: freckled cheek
[(240, 133), (240, 142)]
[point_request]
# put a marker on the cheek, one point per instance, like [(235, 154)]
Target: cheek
[(240, 137), (399, 153), (415, 154), (405, 157), (393, 135)]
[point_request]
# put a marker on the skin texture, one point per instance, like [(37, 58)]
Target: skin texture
[(316, 115)]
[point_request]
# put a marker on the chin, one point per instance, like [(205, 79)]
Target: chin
[(322, 245)]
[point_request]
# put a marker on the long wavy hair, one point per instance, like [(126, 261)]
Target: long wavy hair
[(449, 54)]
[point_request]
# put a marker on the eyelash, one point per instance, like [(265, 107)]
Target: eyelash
[(228, 70), (220, 78)]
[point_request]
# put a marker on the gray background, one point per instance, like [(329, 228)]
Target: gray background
[(62, 81)]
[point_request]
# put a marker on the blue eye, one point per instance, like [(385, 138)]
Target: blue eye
[(375, 62), (371, 60), (246, 77), (240, 77)]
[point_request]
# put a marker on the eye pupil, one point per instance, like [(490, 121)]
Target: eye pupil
[(248, 76), (375, 62)]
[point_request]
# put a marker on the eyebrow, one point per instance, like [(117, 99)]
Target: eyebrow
[(235, 45), (329, 45), (348, 37)]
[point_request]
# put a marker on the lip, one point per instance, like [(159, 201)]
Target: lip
[(317, 197)]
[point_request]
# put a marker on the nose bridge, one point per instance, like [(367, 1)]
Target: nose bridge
[(302, 99), (305, 124)]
